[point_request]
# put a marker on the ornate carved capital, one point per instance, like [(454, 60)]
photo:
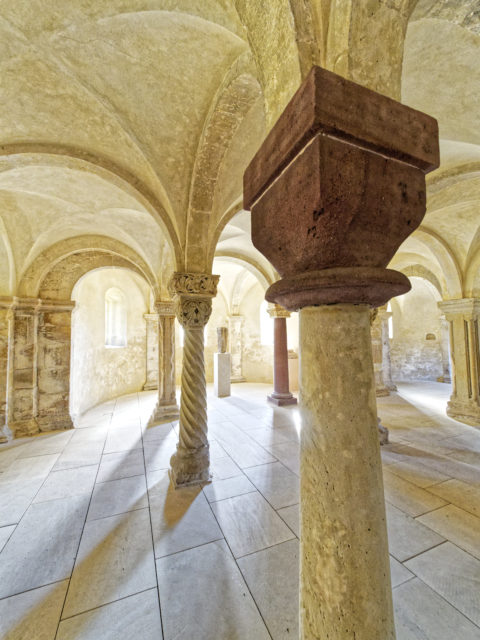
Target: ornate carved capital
[(165, 307), (277, 311), (193, 313), (197, 284)]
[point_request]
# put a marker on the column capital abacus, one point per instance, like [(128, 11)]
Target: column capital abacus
[(468, 308), (165, 308), (277, 311), (193, 293)]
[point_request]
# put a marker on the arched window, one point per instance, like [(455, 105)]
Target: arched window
[(266, 325), (115, 318), (390, 322)]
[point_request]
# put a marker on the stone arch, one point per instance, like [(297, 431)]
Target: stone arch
[(447, 261), (250, 265), (235, 208), (65, 155), (54, 273), (419, 271)]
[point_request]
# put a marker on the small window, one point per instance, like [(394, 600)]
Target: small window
[(115, 318)]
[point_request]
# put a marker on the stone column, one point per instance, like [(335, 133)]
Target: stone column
[(235, 334), (166, 407), (23, 392), (193, 293), (152, 335), (6, 325), (281, 393), (53, 365), (445, 346), (336, 187), (463, 316), (381, 352)]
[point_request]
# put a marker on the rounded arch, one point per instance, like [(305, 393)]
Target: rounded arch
[(446, 259), (249, 264), (231, 212), (54, 273), (419, 271), (71, 157)]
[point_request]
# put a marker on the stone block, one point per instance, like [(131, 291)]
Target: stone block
[(23, 378), (54, 380), (221, 374)]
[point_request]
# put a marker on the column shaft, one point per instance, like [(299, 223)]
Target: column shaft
[(345, 574), (281, 392), (5, 370), (152, 364)]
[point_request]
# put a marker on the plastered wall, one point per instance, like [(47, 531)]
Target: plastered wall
[(413, 356), (98, 372)]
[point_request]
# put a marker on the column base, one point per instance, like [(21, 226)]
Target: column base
[(382, 392), (467, 412), (238, 379), (445, 379), (150, 386), (55, 423), (164, 413), (382, 433), (281, 399), (21, 428), (188, 469)]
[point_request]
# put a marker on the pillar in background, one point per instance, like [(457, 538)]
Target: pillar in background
[(336, 187), (6, 326), (381, 352), (281, 394), (152, 334), (445, 346), (463, 316), (53, 365), (235, 337), (193, 293), (166, 407)]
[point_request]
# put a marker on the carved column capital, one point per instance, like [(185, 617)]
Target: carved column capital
[(165, 308), (193, 293), (277, 311), (468, 308)]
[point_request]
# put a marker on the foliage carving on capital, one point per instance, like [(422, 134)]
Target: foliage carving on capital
[(203, 284), (193, 313)]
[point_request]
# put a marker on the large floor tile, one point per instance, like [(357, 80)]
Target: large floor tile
[(247, 455), (123, 439), (229, 488), (223, 468), (272, 576), (136, 616), (181, 519), (250, 524), (461, 494), (406, 536), (417, 473), (458, 526), (288, 454), (114, 466), (452, 573), (67, 483), (5, 533), (79, 455), (398, 572), (115, 559), (33, 615), (159, 452), (16, 497), (43, 546), (228, 611), (408, 497), (118, 496), (276, 483), (291, 515), (47, 444)]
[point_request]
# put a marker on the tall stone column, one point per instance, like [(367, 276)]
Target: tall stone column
[(336, 187), (463, 316), (193, 293), (152, 339), (6, 326), (235, 337), (23, 392), (166, 407), (281, 392), (381, 352), (53, 365)]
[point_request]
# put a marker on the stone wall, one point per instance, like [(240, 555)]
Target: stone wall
[(99, 372), (416, 347)]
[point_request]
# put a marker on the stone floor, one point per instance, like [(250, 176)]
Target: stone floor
[(96, 546)]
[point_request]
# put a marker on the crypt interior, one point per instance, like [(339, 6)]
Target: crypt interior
[(126, 128)]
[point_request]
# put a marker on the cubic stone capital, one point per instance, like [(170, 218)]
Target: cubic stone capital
[(336, 187)]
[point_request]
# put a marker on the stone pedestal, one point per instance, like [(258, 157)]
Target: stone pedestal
[(336, 187), (166, 407), (281, 394), (235, 334), (463, 316), (152, 336), (221, 374), (193, 293)]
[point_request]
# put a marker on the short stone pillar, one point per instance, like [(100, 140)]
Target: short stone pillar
[(336, 187), (221, 365), (193, 293), (235, 333), (53, 365), (152, 336), (463, 316), (281, 394), (166, 407)]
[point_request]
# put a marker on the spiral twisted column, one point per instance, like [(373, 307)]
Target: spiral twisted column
[(193, 295)]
